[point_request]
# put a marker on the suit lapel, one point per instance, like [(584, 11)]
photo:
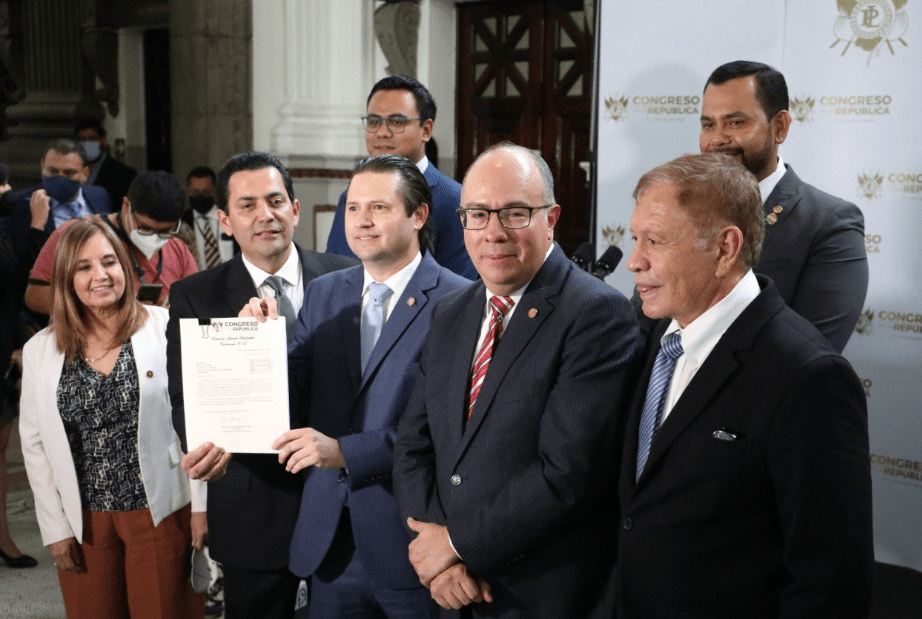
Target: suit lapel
[(350, 325), (459, 383), (238, 287), (719, 367), (534, 308), (782, 201), (403, 314)]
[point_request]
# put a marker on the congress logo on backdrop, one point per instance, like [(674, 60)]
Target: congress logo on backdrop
[(865, 323), (802, 108), (866, 383), (872, 243), (890, 323), (871, 25), (898, 466), (870, 185), (616, 108), (614, 235)]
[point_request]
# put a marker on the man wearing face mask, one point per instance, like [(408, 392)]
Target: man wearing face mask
[(105, 171), (212, 246), (39, 210), (146, 224)]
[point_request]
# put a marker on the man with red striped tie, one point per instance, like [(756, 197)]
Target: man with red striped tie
[(212, 246), (506, 457)]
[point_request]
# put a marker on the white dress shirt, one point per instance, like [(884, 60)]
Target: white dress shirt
[(396, 282), (210, 219), (290, 273), (767, 185), (703, 333)]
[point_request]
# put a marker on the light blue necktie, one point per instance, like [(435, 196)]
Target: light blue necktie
[(373, 318), (656, 394)]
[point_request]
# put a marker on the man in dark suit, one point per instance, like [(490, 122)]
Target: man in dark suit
[(212, 245), (63, 195), (401, 114), (506, 458), (814, 247), (351, 387), (105, 171), (252, 510), (745, 484)]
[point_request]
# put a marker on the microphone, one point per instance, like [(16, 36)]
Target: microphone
[(584, 256), (607, 262)]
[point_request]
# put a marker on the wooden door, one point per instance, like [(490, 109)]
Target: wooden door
[(525, 75)]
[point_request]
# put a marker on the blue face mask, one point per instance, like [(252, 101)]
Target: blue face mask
[(92, 149), (60, 188)]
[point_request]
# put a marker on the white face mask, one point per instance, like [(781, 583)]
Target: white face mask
[(148, 244), (92, 149)]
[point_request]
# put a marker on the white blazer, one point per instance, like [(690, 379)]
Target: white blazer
[(46, 451)]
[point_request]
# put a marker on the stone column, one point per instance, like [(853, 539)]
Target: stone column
[(211, 81), (328, 60), (44, 47)]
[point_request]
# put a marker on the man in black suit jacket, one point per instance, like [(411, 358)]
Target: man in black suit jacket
[(106, 171), (253, 508), (508, 477), (745, 483)]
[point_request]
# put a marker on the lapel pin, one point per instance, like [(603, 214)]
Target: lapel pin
[(532, 313), (777, 209), (771, 218), (411, 301)]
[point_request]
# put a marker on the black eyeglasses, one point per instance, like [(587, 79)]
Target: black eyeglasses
[(148, 232), (512, 217), (395, 123)]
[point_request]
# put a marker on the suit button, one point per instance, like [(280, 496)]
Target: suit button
[(455, 480), (627, 524)]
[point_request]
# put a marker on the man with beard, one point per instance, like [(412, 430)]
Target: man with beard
[(814, 243)]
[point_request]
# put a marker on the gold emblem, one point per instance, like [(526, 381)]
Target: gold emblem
[(777, 209), (532, 313), (411, 301), (771, 218)]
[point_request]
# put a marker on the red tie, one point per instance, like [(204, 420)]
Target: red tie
[(500, 306)]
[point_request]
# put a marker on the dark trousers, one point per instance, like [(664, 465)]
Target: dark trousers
[(252, 594)]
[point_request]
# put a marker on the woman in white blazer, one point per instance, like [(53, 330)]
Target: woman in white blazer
[(100, 451)]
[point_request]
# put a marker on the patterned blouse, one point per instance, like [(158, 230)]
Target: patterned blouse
[(100, 415)]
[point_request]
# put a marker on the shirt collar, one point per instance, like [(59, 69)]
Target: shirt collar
[(767, 185), (210, 214), (423, 164), (703, 333), (398, 281), (290, 271)]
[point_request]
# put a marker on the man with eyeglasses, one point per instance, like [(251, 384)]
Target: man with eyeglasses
[(146, 224), (399, 121), (506, 459)]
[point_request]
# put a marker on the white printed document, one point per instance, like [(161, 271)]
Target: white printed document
[(235, 382)]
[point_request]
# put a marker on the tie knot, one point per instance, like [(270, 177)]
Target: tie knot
[(501, 305), (378, 292), (672, 347), (274, 282)]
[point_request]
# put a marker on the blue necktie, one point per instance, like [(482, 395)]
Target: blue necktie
[(283, 303), (373, 318), (656, 394)]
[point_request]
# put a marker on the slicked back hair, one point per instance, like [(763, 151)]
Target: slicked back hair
[(771, 88), (414, 189), (425, 104), (251, 161)]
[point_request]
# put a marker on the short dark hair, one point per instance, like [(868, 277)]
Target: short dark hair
[(65, 146), (425, 104), (771, 89), (201, 171), (158, 195), (253, 160), (414, 189), (90, 123), (715, 190)]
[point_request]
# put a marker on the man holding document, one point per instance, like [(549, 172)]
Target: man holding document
[(352, 365), (252, 511)]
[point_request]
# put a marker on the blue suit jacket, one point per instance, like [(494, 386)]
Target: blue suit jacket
[(527, 487), (448, 241), (330, 395), (97, 200)]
